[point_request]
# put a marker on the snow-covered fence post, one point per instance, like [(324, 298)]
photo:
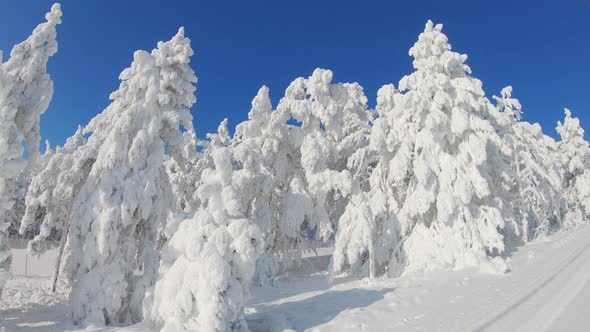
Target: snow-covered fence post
[(26, 264)]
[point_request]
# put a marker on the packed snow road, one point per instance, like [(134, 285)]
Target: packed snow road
[(547, 289)]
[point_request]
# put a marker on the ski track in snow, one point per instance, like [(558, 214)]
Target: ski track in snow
[(548, 297), (547, 283), (547, 290)]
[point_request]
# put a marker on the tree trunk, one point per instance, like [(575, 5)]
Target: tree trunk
[(62, 244)]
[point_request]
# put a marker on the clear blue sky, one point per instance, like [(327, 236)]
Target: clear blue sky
[(541, 48)]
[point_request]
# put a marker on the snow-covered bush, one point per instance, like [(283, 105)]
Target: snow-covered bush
[(25, 92), (125, 200), (574, 153), (208, 264)]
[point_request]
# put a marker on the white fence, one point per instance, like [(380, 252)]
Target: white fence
[(25, 265), (43, 266)]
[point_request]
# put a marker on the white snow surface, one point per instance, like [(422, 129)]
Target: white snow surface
[(546, 290)]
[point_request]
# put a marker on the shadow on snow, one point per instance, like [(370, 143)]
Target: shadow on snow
[(312, 311)]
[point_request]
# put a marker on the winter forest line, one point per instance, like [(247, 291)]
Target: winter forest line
[(156, 225)]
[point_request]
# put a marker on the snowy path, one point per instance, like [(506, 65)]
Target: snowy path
[(548, 289), (551, 288)]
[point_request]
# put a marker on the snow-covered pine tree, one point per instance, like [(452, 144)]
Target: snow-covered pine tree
[(56, 186), (51, 194), (46, 210), (184, 175), (255, 146), (25, 92), (125, 200), (182, 158), (535, 196), (433, 173), (368, 231), (254, 177), (208, 264), (267, 149), (448, 218), (574, 155), (16, 213), (22, 182), (335, 124), (177, 92)]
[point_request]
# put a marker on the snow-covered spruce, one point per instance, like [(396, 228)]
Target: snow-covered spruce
[(429, 204), (52, 191), (120, 209), (184, 175), (448, 218), (208, 265), (56, 186), (574, 157), (22, 182), (530, 179), (334, 125), (268, 151), (256, 147), (50, 194), (369, 221), (25, 92)]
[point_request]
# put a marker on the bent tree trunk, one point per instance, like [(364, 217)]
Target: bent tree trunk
[(62, 244)]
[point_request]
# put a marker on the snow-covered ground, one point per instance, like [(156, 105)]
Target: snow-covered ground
[(547, 289)]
